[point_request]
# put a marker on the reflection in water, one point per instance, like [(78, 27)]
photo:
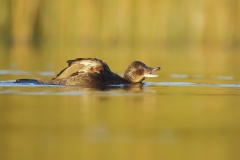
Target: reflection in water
[(172, 119), (191, 110)]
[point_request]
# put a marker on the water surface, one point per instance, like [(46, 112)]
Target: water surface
[(188, 112)]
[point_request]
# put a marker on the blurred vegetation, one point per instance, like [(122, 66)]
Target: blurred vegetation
[(121, 22)]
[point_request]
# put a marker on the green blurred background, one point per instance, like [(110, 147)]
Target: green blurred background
[(121, 22)]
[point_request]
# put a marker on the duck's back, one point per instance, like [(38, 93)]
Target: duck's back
[(86, 72)]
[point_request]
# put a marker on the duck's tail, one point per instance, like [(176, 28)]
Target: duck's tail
[(27, 81)]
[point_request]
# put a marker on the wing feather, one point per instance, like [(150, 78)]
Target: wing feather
[(75, 67)]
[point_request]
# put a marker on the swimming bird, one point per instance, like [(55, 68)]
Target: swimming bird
[(93, 72)]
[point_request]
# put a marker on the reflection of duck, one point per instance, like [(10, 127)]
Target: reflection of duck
[(92, 72)]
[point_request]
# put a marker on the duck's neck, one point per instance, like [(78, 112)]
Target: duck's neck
[(127, 79)]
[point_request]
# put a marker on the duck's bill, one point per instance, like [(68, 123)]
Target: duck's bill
[(150, 72)]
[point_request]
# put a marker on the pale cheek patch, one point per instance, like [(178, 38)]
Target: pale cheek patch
[(150, 75)]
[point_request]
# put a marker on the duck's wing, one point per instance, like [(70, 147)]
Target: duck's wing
[(86, 65), (73, 68)]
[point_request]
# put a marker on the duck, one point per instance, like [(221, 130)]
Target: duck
[(93, 72)]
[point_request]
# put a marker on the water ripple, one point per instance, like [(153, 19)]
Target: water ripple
[(193, 84), (11, 83)]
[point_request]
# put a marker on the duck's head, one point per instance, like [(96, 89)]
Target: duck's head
[(138, 71)]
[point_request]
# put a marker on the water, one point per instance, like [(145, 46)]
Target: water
[(191, 111)]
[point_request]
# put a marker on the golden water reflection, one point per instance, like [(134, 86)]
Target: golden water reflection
[(161, 122), (152, 122)]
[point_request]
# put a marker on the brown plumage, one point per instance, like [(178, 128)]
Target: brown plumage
[(92, 72)]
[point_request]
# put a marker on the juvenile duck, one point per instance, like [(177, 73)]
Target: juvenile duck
[(92, 72)]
